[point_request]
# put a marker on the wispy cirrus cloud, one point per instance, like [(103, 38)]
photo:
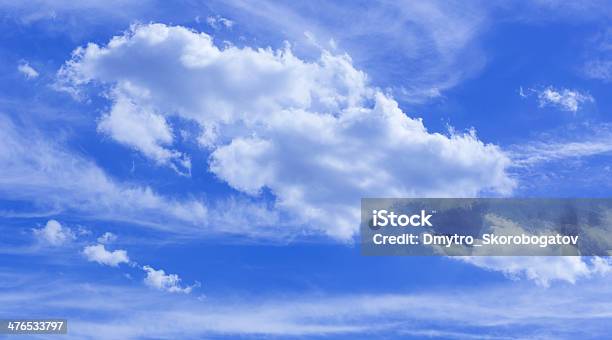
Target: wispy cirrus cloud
[(540, 152), (599, 62), (28, 13), (559, 161), (428, 47), (133, 312), (571, 142), (42, 171), (54, 180), (543, 270)]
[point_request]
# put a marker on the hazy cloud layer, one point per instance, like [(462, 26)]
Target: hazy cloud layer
[(468, 313)]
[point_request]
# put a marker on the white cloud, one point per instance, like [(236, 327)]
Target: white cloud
[(599, 65), (98, 253), (143, 130), (107, 237), (564, 99), (542, 269), (537, 152), (314, 133), (39, 169), (568, 100), (54, 233), (158, 279), (28, 71), (570, 142), (218, 21), (548, 164)]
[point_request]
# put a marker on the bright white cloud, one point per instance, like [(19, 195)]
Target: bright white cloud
[(107, 237), (542, 269), (564, 99), (143, 130), (568, 100), (314, 133), (158, 279), (98, 253), (54, 233), (28, 71)]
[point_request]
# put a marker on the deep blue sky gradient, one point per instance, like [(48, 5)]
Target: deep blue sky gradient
[(512, 51)]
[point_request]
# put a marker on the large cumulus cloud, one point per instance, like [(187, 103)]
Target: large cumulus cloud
[(312, 132)]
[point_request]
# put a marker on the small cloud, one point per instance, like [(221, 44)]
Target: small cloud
[(28, 71), (599, 66), (158, 279), (599, 69), (218, 21), (82, 231), (568, 100), (107, 238), (418, 94), (332, 43), (54, 234), (100, 255), (564, 99)]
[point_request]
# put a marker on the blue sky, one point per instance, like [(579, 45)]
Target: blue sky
[(193, 169)]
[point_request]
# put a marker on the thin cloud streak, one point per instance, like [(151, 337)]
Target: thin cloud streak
[(134, 312)]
